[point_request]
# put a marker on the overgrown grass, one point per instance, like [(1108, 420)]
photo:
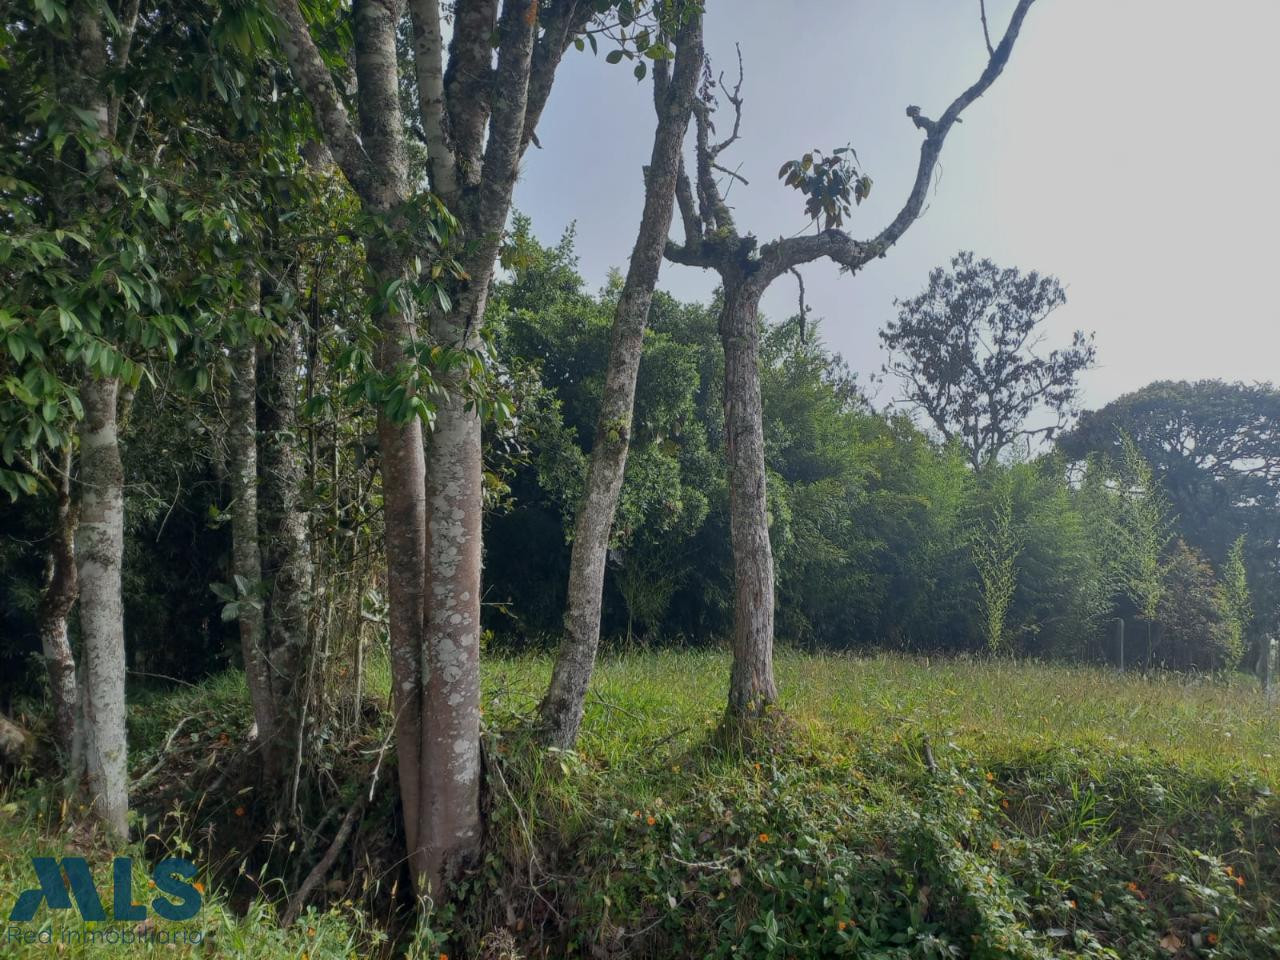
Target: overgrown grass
[(907, 809), (997, 708)]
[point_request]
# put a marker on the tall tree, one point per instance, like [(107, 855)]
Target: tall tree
[(1215, 448), (673, 92), (712, 241), (967, 353), (478, 113), (99, 543)]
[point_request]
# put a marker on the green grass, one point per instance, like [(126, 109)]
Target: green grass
[(1072, 813), (997, 709), (1069, 812)]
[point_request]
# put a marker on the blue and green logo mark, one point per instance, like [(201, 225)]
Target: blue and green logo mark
[(178, 897)]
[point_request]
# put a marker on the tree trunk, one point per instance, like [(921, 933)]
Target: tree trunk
[(563, 704), (246, 552), (285, 547), (60, 590), (454, 489), (403, 471), (751, 684), (99, 546)]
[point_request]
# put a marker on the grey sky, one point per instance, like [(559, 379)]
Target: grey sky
[(1129, 148)]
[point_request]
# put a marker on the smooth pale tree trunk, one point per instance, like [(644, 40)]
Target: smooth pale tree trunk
[(403, 469), (562, 706), (455, 505), (59, 596), (246, 553), (99, 546), (478, 117), (751, 684), (286, 564)]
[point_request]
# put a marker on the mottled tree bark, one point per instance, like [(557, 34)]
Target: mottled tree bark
[(477, 118), (100, 748), (452, 683), (405, 539), (746, 269), (751, 685), (562, 707), (246, 551), (59, 596), (282, 526), (99, 546)]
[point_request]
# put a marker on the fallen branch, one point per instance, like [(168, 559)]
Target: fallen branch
[(164, 750), (319, 871)]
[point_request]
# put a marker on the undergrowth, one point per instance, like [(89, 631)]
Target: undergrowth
[(905, 810)]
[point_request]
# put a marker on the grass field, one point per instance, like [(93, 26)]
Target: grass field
[(906, 809), (995, 708)]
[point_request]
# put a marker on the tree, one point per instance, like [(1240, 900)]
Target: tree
[(995, 555), (746, 269), (1215, 448), (477, 118), (1237, 604), (1195, 630), (561, 708), (1144, 532), (966, 351)]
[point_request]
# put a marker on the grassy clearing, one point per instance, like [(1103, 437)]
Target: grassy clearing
[(997, 709), (1068, 813)]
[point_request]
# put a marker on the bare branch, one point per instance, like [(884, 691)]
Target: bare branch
[(469, 81), (731, 173), (428, 61), (986, 33), (735, 98), (688, 210), (318, 87), (804, 311), (563, 21), (936, 133)]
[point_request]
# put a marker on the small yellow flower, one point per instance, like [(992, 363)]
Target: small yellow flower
[(764, 838), (311, 931), (841, 925), (996, 844), (991, 777), (651, 820)]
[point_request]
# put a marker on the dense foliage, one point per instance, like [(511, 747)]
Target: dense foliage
[(884, 537)]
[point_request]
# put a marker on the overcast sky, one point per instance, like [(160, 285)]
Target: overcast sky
[(1130, 148)]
